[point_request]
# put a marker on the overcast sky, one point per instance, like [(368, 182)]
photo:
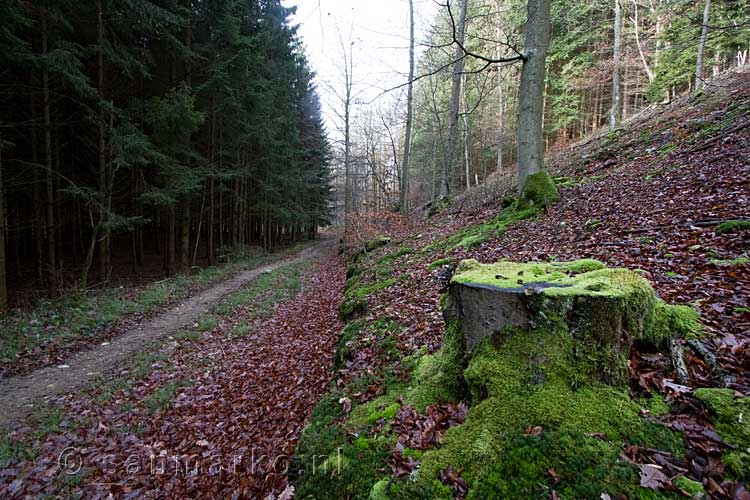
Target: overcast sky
[(380, 32)]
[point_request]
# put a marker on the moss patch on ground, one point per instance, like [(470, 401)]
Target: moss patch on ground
[(733, 226), (359, 286), (342, 455), (476, 235), (731, 416)]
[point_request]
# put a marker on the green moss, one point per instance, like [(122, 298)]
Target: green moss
[(395, 255), (476, 235), (388, 413), (655, 404), (443, 301), (363, 291), (540, 190), (731, 416), (592, 224), (348, 334), (356, 292), (327, 464), (380, 490), (739, 261), (689, 486), (605, 309), (732, 226), (565, 182), (438, 376), (584, 468), (530, 380), (352, 307), (375, 243), (576, 277), (445, 261), (352, 271)]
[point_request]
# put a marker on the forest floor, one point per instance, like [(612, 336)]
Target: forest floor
[(217, 407), (230, 374)]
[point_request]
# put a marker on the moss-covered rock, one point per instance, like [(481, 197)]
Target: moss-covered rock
[(539, 191), (731, 416)]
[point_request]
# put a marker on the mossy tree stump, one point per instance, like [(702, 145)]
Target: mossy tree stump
[(603, 311)]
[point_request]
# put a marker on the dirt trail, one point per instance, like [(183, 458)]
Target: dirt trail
[(19, 394)]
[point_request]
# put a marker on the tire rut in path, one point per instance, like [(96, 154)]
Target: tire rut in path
[(19, 394)]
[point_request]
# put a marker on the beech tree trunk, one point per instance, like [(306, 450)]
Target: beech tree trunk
[(699, 84), (615, 112), (500, 98), (531, 91), (458, 69), (404, 191)]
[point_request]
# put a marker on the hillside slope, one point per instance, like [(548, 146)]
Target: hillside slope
[(668, 195)]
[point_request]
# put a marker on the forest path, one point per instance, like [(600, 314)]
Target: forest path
[(19, 394)]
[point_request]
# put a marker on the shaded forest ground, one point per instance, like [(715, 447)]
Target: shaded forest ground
[(22, 392), (214, 408)]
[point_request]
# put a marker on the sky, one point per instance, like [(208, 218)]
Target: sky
[(379, 31)]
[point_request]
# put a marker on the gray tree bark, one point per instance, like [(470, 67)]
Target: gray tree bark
[(404, 188), (500, 98), (347, 143), (458, 69), (615, 112), (699, 84), (531, 91)]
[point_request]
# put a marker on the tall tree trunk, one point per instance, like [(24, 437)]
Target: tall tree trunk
[(465, 120), (3, 282), (185, 235), (171, 243), (500, 98), (458, 69), (531, 91), (185, 225), (699, 83), (49, 182), (404, 191), (348, 65), (649, 72), (615, 112), (210, 225), (38, 199), (103, 174)]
